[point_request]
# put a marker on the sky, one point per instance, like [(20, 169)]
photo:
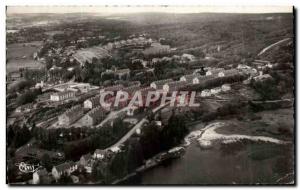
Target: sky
[(131, 9)]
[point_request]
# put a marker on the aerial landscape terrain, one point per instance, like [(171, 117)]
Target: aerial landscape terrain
[(237, 67)]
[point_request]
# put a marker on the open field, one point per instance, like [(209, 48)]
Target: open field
[(21, 55), (275, 123)]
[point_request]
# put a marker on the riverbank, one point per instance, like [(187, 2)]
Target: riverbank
[(247, 160), (156, 160)]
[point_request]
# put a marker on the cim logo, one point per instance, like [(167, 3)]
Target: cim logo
[(27, 168)]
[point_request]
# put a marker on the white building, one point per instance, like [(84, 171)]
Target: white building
[(94, 116), (205, 93), (92, 102), (83, 87), (243, 66), (214, 71), (99, 154), (226, 87), (262, 77), (39, 176), (216, 90), (230, 72), (60, 96), (175, 85), (122, 73), (187, 57), (71, 115), (202, 79), (159, 84), (189, 78), (66, 168)]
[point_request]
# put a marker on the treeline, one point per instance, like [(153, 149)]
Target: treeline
[(75, 142), (26, 35), (140, 148), (274, 88), (217, 81)]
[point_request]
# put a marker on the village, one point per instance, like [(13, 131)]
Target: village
[(71, 137)]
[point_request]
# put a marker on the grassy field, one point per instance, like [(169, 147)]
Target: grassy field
[(21, 55), (275, 123)]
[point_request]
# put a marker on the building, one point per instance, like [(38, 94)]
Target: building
[(197, 79), (216, 90), (114, 88), (243, 66), (122, 73), (71, 115), (13, 76), (230, 72), (82, 87), (85, 159), (156, 48), (159, 84), (259, 62), (25, 108), (92, 102), (94, 116), (262, 77), (175, 85), (87, 162), (87, 55), (205, 93), (60, 96), (189, 78), (187, 58), (74, 179), (63, 169), (214, 71), (226, 87), (100, 154), (41, 177)]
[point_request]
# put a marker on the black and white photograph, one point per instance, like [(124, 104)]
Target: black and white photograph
[(150, 95)]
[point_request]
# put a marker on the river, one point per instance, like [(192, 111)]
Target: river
[(253, 163)]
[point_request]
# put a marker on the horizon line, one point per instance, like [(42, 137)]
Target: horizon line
[(10, 10)]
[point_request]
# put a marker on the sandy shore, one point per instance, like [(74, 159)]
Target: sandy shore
[(208, 135)]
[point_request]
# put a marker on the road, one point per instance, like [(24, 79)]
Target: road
[(112, 115), (272, 45), (130, 133), (137, 126), (220, 99)]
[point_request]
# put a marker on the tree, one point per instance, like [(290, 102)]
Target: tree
[(46, 162), (267, 89), (118, 166), (97, 171), (174, 132), (28, 96), (134, 154), (22, 136), (150, 140), (65, 179)]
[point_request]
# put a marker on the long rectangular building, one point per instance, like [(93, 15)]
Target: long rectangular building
[(160, 83), (94, 116), (71, 115), (92, 102), (60, 96)]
